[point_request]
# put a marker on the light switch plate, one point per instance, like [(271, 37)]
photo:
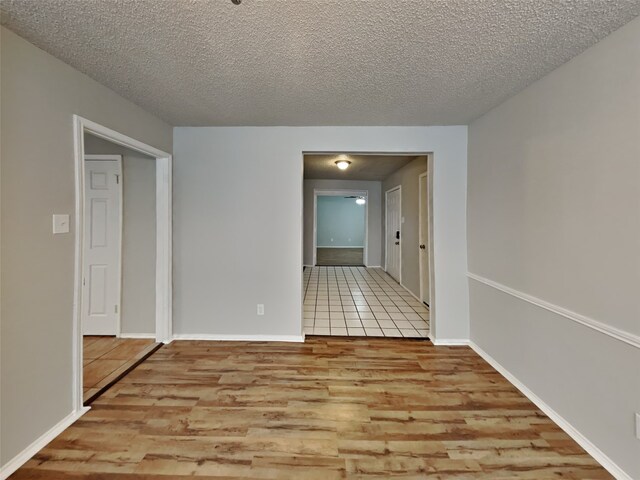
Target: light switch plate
[(60, 223)]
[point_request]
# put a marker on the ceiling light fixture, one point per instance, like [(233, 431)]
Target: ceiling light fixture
[(360, 201), (343, 164)]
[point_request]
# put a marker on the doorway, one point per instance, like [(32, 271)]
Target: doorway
[(366, 300), (393, 233), (102, 351), (340, 227), (118, 318)]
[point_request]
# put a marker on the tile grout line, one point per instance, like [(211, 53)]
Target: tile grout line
[(341, 282)]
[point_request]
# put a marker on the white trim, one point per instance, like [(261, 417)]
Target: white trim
[(386, 231), (120, 193), (116, 137), (107, 158), (164, 255), (239, 338), (430, 234), (340, 246), (163, 238), (320, 192), (373, 266), (25, 455), (420, 239), (613, 332), (138, 335), (453, 342), (429, 239), (569, 429)]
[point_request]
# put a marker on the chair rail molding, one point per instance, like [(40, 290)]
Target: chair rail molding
[(619, 334)]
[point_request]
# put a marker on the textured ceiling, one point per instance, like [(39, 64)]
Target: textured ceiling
[(316, 62), (363, 167)]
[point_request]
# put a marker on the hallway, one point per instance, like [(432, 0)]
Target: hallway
[(360, 301)]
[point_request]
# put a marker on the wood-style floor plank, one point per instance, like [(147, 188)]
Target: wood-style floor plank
[(340, 256), (105, 358), (331, 408)]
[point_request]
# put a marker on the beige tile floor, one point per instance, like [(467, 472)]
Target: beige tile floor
[(360, 301)]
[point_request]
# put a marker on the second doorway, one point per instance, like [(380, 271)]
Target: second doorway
[(341, 228)]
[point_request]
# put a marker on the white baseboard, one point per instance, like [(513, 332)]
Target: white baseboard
[(240, 338), (569, 429), (23, 457), (453, 342), (138, 335), (373, 266), (340, 246)]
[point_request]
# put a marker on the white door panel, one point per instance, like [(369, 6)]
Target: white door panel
[(102, 244), (393, 233)]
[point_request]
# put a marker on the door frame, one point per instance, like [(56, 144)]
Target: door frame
[(163, 238), (430, 238), (421, 220), (386, 230), (319, 192), (118, 159)]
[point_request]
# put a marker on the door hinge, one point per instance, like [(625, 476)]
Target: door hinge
[(84, 282), (115, 308), (117, 178)]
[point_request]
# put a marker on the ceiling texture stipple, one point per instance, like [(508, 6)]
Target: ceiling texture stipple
[(316, 62)]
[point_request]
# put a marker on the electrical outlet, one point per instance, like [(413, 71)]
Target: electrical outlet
[(261, 309), (638, 425)]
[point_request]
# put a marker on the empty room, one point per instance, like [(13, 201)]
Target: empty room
[(250, 239)]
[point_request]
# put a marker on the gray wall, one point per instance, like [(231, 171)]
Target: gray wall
[(39, 96), (138, 307), (340, 222), (374, 219), (554, 212), (407, 177), (257, 241)]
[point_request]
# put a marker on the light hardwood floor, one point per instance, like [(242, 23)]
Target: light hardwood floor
[(339, 256), (330, 408), (105, 358)]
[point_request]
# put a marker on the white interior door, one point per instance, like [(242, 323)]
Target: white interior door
[(424, 238), (102, 245), (393, 235)]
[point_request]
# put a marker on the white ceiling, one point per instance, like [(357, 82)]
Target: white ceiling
[(363, 167), (316, 62)]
